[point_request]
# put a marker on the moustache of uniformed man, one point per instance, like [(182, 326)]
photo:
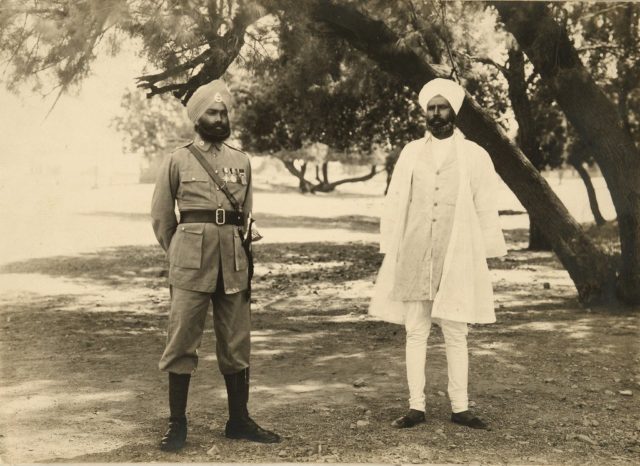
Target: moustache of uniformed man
[(439, 225), (213, 125), (207, 264)]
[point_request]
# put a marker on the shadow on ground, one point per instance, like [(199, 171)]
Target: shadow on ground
[(83, 384)]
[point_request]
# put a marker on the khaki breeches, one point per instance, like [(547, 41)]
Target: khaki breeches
[(231, 323)]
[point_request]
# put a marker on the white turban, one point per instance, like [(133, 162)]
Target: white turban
[(205, 96), (450, 90)]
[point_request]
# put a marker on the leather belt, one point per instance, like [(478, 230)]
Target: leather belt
[(218, 216)]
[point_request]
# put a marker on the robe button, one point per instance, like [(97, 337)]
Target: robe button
[(193, 178), (215, 171)]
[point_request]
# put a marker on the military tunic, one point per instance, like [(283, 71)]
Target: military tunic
[(207, 263), (197, 250)]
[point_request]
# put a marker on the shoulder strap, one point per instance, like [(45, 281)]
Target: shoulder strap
[(216, 179)]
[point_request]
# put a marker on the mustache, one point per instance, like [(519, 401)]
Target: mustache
[(437, 121)]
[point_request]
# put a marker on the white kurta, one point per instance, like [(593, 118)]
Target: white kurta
[(434, 189), (465, 293)]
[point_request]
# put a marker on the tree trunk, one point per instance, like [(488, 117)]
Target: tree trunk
[(625, 77), (304, 185), (591, 192), (389, 164), (326, 187), (537, 240), (527, 136), (589, 267), (594, 118), (323, 186)]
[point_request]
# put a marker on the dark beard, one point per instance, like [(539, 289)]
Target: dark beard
[(213, 133), (440, 128)]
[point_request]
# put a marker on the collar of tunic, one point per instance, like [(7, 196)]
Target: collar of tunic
[(205, 146)]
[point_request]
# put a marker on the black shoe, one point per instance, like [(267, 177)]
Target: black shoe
[(174, 439), (412, 418), (247, 429), (465, 418)]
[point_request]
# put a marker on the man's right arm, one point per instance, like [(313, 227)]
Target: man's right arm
[(163, 216)]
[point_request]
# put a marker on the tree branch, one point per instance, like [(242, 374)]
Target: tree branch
[(221, 52), (485, 60), (148, 81)]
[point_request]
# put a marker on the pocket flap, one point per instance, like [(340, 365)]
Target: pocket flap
[(193, 176), (193, 228)]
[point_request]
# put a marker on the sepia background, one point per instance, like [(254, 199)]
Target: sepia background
[(325, 99)]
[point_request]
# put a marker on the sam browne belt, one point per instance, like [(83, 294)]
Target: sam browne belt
[(218, 216)]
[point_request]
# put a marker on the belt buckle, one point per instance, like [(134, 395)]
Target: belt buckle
[(220, 216)]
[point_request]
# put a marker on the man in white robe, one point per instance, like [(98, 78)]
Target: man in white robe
[(439, 225)]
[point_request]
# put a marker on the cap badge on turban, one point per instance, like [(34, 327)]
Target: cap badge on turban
[(214, 92), (450, 90)]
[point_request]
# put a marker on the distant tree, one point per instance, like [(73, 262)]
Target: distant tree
[(152, 127), (316, 101)]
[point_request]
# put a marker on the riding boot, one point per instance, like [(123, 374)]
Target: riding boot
[(240, 425), (175, 437)]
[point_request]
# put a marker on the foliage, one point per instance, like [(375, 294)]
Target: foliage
[(607, 37), (152, 127), (317, 91), (191, 42)]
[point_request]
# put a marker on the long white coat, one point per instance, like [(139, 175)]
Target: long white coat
[(465, 293)]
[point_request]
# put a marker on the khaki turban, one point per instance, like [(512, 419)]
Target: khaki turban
[(446, 88), (205, 96)]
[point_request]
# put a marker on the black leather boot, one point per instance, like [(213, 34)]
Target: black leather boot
[(175, 437), (240, 425)]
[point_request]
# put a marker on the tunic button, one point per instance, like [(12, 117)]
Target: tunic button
[(435, 204), (437, 188), (217, 189), (182, 228), (433, 220), (193, 178), (201, 143), (216, 171), (220, 205)]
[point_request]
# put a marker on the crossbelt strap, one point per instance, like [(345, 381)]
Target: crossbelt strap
[(216, 179)]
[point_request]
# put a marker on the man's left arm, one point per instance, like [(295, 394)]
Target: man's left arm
[(484, 184)]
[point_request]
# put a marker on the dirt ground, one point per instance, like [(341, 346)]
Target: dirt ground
[(559, 383)]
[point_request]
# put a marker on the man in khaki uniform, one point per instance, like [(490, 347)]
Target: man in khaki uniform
[(207, 262)]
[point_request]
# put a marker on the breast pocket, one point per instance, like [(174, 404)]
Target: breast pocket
[(194, 186), (241, 261), (187, 252)]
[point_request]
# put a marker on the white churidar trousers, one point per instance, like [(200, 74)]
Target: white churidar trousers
[(418, 325)]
